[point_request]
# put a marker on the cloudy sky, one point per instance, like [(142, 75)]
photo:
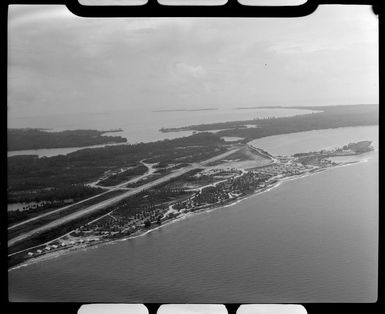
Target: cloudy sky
[(61, 63)]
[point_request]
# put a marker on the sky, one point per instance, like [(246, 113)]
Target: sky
[(59, 63)]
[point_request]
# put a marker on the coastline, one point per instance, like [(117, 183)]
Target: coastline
[(205, 209)]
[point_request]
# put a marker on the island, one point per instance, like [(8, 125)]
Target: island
[(184, 110), (98, 195), (29, 138)]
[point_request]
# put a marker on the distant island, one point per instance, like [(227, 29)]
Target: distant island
[(112, 131), (266, 107), (29, 138), (183, 110)]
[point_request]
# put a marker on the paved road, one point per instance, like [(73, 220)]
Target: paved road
[(113, 200)]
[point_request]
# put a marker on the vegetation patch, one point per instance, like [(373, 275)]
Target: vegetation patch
[(24, 139)]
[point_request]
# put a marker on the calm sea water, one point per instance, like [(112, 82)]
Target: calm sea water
[(139, 125), (304, 142), (308, 240)]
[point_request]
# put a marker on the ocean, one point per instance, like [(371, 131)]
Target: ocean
[(313, 239)]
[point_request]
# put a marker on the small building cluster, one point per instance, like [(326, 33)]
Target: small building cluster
[(280, 169)]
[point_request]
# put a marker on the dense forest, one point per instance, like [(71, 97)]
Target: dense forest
[(50, 198), (23, 139), (124, 176), (360, 147), (74, 192)]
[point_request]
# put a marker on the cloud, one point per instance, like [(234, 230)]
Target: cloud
[(59, 62), (196, 71)]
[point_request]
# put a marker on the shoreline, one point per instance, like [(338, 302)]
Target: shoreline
[(205, 209)]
